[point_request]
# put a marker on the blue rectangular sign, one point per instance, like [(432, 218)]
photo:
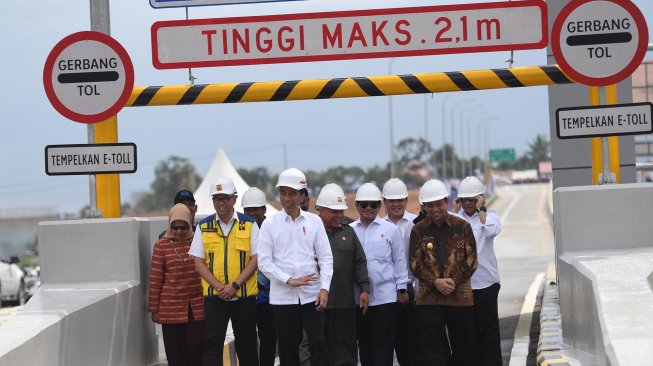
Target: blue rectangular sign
[(184, 3)]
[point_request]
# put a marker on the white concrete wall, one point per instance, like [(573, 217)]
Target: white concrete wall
[(604, 251), (581, 325), (603, 217), (91, 308)]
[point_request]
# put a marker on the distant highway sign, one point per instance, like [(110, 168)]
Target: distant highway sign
[(90, 159), (605, 120), (356, 34), (501, 155)]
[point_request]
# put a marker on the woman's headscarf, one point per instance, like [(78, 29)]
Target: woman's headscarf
[(180, 212)]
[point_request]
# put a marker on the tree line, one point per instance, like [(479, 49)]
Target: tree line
[(416, 162)]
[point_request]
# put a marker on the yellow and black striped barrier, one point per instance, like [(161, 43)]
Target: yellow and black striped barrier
[(272, 91)]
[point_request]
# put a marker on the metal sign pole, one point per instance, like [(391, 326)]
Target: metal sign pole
[(93, 211), (606, 177), (100, 21)]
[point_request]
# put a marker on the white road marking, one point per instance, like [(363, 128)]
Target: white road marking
[(522, 332), (512, 204)]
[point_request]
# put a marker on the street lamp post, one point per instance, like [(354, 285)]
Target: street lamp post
[(426, 127), (443, 163), (392, 138), (454, 166), (444, 130), (468, 144), (486, 147)]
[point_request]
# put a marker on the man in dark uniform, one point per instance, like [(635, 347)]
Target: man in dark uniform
[(349, 270)]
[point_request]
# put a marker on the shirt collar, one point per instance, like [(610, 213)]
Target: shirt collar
[(332, 232), (462, 212), (448, 220), (302, 213), (387, 217), (377, 220), (233, 217)]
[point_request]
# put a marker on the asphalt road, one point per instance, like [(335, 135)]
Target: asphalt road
[(524, 248)]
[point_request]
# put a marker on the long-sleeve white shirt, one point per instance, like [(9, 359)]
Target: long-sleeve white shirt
[(487, 272), (386, 259), (405, 225), (287, 249)]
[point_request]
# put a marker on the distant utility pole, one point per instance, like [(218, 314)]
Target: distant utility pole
[(393, 158)]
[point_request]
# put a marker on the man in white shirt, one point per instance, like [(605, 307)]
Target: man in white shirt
[(395, 200), (486, 225), (388, 275), (289, 243)]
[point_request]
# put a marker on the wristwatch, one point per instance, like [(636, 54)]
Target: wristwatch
[(402, 291), (235, 285), (482, 208)]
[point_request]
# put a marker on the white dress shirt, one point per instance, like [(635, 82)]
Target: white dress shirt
[(287, 249), (487, 272), (197, 246), (386, 259), (405, 225)]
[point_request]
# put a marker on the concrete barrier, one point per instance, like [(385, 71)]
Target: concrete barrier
[(91, 308), (604, 255)]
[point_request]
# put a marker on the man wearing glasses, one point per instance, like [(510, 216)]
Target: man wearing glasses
[(470, 204), (388, 275), (395, 200), (224, 247)]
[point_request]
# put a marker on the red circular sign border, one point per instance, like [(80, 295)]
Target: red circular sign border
[(642, 44), (48, 69)]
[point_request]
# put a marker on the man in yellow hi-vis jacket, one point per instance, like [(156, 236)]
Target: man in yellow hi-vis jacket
[(224, 248)]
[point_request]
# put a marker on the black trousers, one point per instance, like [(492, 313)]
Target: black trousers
[(242, 313), (406, 328), (487, 326), (184, 342), (341, 336), (267, 335), (289, 321), (460, 324), (376, 335)]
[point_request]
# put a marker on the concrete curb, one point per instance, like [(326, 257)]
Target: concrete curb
[(550, 346)]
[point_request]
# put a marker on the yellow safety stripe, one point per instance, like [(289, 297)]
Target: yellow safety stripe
[(271, 91)]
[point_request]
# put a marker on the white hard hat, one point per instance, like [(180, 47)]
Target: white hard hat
[(332, 196), (253, 197), (394, 189), (292, 178), (433, 190), (470, 187), (223, 185), (368, 192)]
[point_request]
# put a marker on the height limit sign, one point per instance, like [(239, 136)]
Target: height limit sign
[(599, 42), (88, 77)]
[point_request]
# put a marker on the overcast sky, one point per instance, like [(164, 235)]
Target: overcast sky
[(317, 134)]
